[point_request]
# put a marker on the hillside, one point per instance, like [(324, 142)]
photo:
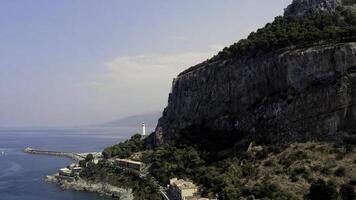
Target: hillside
[(310, 171)]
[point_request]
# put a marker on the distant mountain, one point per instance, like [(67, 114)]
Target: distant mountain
[(150, 120)]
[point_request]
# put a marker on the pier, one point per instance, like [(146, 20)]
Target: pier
[(71, 155)]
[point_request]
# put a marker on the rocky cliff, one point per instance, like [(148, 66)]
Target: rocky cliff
[(300, 7), (292, 94)]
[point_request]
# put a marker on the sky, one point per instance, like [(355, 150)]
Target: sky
[(82, 62)]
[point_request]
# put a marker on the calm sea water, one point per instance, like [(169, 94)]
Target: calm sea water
[(21, 174)]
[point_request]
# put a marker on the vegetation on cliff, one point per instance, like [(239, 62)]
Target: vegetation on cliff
[(294, 31), (267, 172), (125, 149), (312, 170)]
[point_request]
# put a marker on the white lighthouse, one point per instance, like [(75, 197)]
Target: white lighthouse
[(143, 129)]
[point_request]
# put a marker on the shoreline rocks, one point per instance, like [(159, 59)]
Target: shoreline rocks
[(100, 188)]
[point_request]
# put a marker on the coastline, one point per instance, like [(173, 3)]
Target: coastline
[(78, 184), (100, 188)]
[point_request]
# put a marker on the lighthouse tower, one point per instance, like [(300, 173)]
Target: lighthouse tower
[(143, 129)]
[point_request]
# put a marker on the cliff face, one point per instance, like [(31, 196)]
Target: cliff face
[(291, 94), (294, 95)]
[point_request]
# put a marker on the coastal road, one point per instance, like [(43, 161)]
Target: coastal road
[(162, 190)]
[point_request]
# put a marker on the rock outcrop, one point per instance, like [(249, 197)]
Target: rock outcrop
[(294, 95), (300, 7), (96, 187)]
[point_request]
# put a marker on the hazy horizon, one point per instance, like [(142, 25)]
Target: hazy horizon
[(72, 63)]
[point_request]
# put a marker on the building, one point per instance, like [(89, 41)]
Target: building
[(96, 160), (76, 171), (69, 173), (183, 189), (129, 164), (143, 129), (65, 172)]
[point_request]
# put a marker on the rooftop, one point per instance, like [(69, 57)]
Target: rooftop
[(129, 161), (65, 170), (183, 184), (77, 168), (197, 198)]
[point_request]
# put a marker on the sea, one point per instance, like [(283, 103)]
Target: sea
[(21, 174)]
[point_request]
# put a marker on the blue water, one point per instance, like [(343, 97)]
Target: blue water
[(21, 175)]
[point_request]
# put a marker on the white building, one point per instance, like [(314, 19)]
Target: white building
[(143, 129), (65, 172), (183, 189)]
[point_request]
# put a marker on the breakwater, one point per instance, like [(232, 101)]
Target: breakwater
[(71, 155)]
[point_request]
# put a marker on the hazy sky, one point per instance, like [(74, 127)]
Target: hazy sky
[(79, 62)]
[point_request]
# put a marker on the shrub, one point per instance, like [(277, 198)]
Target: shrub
[(268, 190), (340, 156), (289, 159), (352, 182), (251, 197), (320, 190), (294, 178), (350, 139), (316, 168), (248, 170), (348, 2), (82, 163), (347, 192), (348, 148), (299, 171), (276, 149), (269, 163), (340, 171), (326, 170)]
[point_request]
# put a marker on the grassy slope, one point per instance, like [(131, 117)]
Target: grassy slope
[(300, 164)]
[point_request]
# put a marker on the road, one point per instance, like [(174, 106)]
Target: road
[(162, 190)]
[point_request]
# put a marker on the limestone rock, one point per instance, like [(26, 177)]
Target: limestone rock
[(300, 7), (293, 94), (299, 94)]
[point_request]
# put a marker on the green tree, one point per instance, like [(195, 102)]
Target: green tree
[(126, 148), (89, 157), (232, 183), (168, 162)]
